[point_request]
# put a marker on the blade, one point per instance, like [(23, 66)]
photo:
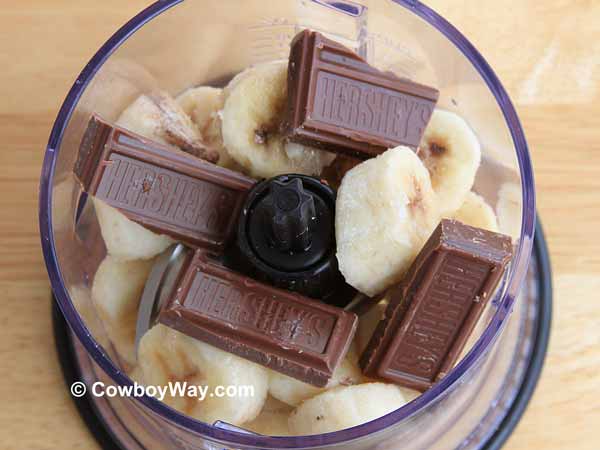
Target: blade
[(159, 283)]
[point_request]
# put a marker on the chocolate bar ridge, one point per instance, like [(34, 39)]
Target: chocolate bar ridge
[(94, 140), (160, 187), (292, 334), (433, 311), (332, 92)]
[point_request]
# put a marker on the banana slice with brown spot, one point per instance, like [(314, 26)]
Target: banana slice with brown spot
[(452, 154), (166, 355), (203, 105), (345, 407), (157, 116), (292, 391), (385, 211), (254, 107)]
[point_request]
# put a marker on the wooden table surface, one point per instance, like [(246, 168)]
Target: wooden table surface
[(546, 53)]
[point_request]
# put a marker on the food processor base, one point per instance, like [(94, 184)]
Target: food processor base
[(97, 412)]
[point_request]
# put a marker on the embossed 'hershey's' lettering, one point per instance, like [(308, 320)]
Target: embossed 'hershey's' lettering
[(261, 311), (338, 102), (432, 312), (360, 106), (159, 187), (164, 195), (284, 331), (446, 304)]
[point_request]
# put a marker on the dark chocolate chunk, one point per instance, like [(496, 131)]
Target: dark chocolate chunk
[(338, 102), (283, 331), (161, 188), (334, 172), (432, 312)]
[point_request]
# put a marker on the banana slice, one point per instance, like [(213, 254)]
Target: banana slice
[(157, 116), (409, 394), (135, 373), (64, 195), (254, 104), (116, 294), (345, 407), (166, 355), (81, 297), (477, 213), (452, 154), (126, 239), (293, 392), (272, 420), (367, 323), (385, 211), (508, 208), (203, 104)]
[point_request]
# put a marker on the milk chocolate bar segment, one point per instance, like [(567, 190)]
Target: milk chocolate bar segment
[(283, 331), (432, 312), (338, 102), (161, 188)]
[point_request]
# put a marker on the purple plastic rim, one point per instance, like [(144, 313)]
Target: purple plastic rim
[(520, 264)]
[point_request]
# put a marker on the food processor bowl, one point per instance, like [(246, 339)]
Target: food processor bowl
[(178, 44)]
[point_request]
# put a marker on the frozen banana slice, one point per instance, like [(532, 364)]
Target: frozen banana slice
[(135, 373), (272, 420), (292, 391), (116, 293), (345, 407), (126, 239), (385, 211), (158, 117), (508, 208), (203, 104), (166, 355), (255, 101), (81, 296), (477, 213), (452, 154), (409, 394), (367, 323), (64, 195)]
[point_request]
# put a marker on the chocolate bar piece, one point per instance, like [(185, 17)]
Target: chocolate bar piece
[(432, 312), (161, 188), (338, 102), (286, 332)]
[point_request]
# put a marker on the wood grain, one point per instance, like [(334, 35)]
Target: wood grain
[(547, 54)]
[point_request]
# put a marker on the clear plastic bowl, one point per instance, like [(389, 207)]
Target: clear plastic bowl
[(175, 45)]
